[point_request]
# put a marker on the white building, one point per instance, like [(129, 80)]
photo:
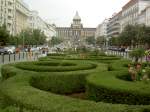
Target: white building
[(101, 30), (144, 17), (131, 12), (114, 27), (36, 22), (14, 14)]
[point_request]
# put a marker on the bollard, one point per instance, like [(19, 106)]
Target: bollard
[(9, 57), (14, 56), (23, 54), (2, 57), (19, 55)]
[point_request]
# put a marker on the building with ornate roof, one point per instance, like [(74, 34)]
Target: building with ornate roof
[(76, 33)]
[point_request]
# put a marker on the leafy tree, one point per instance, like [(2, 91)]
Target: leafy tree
[(114, 41), (4, 35), (100, 41), (56, 41), (32, 37), (90, 40), (137, 53), (128, 36), (141, 33), (146, 38)]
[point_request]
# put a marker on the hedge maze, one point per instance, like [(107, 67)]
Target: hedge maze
[(41, 86)]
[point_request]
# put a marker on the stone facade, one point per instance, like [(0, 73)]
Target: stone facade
[(101, 29), (36, 22), (76, 33), (131, 12), (14, 13), (114, 28)]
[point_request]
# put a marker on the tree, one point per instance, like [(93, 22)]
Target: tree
[(147, 36), (4, 35), (100, 41), (90, 40), (32, 37), (137, 53), (128, 36), (140, 33), (56, 41), (114, 41)]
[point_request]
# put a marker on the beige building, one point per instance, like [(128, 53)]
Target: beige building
[(22, 14), (114, 28), (131, 12), (144, 17), (101, 29), (76, 33), (14, 13), (36, 22)]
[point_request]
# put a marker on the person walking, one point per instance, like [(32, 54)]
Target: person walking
[(29, 53)]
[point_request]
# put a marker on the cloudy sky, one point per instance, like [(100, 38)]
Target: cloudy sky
[(61, 12)]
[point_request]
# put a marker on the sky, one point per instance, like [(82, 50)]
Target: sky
[(61, 12)]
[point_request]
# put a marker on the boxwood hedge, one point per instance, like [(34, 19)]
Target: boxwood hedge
[(49, 58), (23, 88), (108, 87), (54, 66)]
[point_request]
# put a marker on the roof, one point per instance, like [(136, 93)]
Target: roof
[(77, 17)]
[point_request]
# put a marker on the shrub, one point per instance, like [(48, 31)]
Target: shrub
[(110, 68), (137, 53), (55, 67), (18, 91), (107, 87), (24, 88)]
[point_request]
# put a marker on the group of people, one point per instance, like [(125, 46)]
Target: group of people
[(44, 52)]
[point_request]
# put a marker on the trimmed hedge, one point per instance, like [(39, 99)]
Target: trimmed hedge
[(108, 87), (56, 54), (23, 88), (49, 58), (55, 66), (18, 90)]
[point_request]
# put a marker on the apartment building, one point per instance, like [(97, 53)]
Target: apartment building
[(14, 14), (101, 29), (36, 22), (144, 17), (131, 12), (114, 28)]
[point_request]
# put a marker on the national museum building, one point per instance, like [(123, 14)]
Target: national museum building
[(76, 33)]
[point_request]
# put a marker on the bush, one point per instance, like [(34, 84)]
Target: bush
[(110, 68), (137, 53), (108, 87), (55, 67), (18, 91), (30, 90)]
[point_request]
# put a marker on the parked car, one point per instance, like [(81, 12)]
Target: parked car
[(6, 50)]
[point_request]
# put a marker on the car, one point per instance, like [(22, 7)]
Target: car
[(6, 50)]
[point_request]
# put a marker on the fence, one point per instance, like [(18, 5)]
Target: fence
[(119, 53), (21, 56)]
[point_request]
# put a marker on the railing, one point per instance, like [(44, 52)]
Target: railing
[(21, 56), (124, 55), (119, 53)]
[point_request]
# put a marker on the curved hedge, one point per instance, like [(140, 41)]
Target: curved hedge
[(19, 90), (53, 66), (49, 58), (23, 88), (108, 87)]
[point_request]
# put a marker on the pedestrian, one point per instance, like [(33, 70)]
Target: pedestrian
[(29, 53)]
